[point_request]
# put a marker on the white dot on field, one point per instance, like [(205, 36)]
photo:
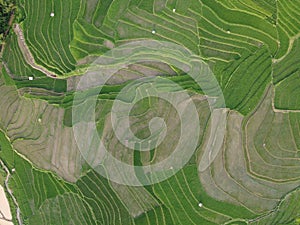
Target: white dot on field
[(228, 32), (174, 10), (153, 31), (30, 78), (39, 120), (200, 204), (52, 14)]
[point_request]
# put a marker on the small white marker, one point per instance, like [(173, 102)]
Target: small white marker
[(171, 167), (13, 170), (174, 10), (52, 14), (30, 78), (228, 32), (153, 32), (200, 204), (39, 120), (264, 145)]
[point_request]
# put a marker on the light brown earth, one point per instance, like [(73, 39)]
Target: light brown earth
[(5, 214)]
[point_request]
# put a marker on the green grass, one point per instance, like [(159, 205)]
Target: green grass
[(286, 78), (2, 177), (244, 81)]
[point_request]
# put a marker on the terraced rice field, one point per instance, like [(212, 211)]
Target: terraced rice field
[(245, 168)]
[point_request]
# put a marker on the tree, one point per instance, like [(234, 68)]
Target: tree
[(6, 9)]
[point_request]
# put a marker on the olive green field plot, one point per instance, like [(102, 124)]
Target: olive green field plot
[(15, 63), (17, 71), (286, 80), (36, 130), (256, 165), (287, 26), (244, 81)]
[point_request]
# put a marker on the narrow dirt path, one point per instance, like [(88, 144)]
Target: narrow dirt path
[(291, 43), (27, 54), (11, 193)]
